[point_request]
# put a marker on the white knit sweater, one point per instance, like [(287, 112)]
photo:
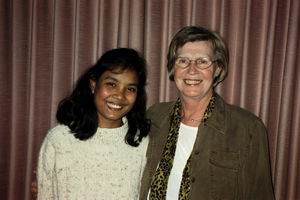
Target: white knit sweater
[(102, 167)]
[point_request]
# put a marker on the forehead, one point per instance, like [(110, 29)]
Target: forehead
[(197, 47), (121, 75)]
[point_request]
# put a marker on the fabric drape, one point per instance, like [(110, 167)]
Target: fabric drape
[(46, 45)]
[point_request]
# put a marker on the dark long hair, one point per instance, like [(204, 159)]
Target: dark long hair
[(78, 111)]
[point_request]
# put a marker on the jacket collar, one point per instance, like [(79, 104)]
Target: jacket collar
[(217, 119)]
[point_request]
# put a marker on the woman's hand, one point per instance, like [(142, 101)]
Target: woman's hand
[(34, 186)]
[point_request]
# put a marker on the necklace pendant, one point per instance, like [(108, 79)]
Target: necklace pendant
[(192, 120)]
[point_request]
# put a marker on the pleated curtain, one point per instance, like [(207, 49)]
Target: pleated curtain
[(45, 45)]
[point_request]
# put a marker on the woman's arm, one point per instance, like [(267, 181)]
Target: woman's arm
[(257, 169), (45, 171)]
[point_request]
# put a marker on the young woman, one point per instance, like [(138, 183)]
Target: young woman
[(97, 151)]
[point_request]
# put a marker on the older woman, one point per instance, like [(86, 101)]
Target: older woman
[(201, 147)]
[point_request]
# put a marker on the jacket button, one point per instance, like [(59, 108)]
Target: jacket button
[(196, 152), (193, 179)]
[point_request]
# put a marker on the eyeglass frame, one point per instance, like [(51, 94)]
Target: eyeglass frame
[(195, 61)]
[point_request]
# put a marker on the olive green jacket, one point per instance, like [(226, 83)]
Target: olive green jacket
[(230, 158)]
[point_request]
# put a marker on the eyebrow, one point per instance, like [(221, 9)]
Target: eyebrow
[(207, 57), (114, 79), (111, 78)]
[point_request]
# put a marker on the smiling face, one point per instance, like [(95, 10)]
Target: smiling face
[(192, 82), (115, 93)]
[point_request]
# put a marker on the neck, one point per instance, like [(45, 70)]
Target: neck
[(110, 124), (193, 110)]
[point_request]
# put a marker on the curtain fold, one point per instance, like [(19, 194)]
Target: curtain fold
[(46, 45)]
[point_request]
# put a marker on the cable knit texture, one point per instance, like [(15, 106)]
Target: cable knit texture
[(102, 167)]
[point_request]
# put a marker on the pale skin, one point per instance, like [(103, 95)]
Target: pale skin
[(195, 85), (115, 93)]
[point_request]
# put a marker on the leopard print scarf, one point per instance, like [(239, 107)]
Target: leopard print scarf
[(159, 182)]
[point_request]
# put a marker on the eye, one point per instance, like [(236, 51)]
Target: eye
[(182, 61), (203, 61), (132, 89), (111, 84)]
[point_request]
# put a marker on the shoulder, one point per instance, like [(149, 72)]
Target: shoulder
[(242, 115), (160, 112), (237, 115), (145, 141), (53, 141), (57, 130), (59, 134), (143, 144), (160, 108)]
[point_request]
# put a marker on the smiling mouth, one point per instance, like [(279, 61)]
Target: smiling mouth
[(113, 106), (192, 82)]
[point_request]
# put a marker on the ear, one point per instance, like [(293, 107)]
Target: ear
[(92, 85), (218, 71)]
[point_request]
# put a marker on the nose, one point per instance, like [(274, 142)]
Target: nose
[(119, 94), (192, 68)]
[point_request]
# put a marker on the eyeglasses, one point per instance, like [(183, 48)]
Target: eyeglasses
[(201, 63)]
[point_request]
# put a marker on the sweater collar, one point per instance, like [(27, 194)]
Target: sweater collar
[(120, 129)]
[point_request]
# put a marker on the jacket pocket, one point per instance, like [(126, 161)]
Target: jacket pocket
[(224, 167)]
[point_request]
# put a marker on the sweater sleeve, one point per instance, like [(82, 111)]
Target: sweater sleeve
[(45, 171), (144, 162)]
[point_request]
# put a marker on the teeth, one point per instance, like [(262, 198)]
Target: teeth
[(192, 82), (114, 105)]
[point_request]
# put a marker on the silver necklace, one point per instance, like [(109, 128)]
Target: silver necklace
[(193, 119)]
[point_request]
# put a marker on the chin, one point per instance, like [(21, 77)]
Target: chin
[(188, 95), (192, 93)]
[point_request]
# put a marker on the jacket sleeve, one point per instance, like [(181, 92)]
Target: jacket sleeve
[(45, 171), (257, 170)]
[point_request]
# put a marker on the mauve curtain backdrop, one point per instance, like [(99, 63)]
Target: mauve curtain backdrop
[(46, 44)]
